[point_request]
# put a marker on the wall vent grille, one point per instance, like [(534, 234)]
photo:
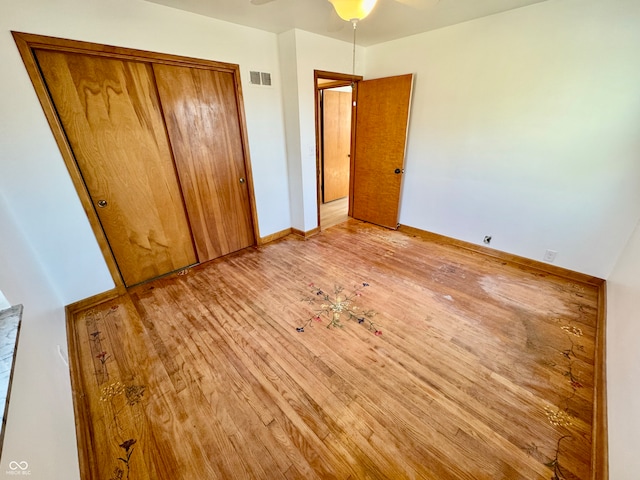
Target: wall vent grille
[(260, 78), (254, 78)]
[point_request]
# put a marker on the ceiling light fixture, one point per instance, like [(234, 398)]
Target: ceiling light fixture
[(353, 10)]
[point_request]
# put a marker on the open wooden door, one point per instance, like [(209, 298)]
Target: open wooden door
[(382, 116)]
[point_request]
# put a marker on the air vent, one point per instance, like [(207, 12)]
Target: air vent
[(260, 78), (255, 78)]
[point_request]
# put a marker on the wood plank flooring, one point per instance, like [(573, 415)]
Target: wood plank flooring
[(334, 213), (438, 363)]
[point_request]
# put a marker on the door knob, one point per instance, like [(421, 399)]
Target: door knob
[(242, 180), (102, 203), (398, 170)]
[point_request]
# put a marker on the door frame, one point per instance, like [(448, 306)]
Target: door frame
[(334, 80), (26, 44)]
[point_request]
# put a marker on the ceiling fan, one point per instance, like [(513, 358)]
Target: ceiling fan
[(355, 10), (352, 11)]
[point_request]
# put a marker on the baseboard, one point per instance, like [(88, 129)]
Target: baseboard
[(85, 451), (508, 257), (307, 234), (94, 300), (599, 433), (86, 455), (288, 231), (275, 236)]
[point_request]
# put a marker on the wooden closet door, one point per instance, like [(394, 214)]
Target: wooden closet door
[(336, 136), (110, 112), (201, 112)]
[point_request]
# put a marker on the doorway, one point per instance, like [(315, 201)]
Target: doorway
[(378, 132), (334, 134)]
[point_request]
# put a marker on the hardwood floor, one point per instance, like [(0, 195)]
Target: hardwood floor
[(334, 213), (448, 364)]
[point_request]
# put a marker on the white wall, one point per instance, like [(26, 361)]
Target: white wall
[(291, 105), (302, 53), (32, 175), (623, 362), (40, 424), (524, 127)]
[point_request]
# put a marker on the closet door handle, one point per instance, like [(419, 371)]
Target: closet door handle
[(102, 203), (241, 180)]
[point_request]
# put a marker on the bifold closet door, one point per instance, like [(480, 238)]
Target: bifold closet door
[(201, 113), (111, 115)]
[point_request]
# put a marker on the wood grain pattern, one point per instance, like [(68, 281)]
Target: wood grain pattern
[(600, 447), (334, 213), (484, 369), (274, 236), (336, 136), (543, 267), (112, 119), (201, 113), (382, 116), (27, 45), (307, 234), (94, 300)]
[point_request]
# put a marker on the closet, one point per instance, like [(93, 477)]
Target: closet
[(336, 143), (158, 144)]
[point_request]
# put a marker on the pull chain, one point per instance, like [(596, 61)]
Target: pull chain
[(354, 21)]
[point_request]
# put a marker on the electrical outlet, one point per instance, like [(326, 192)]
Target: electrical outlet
[(487, 239), (550, 256)]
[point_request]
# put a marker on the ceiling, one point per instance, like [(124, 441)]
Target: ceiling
[(390, 19)]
